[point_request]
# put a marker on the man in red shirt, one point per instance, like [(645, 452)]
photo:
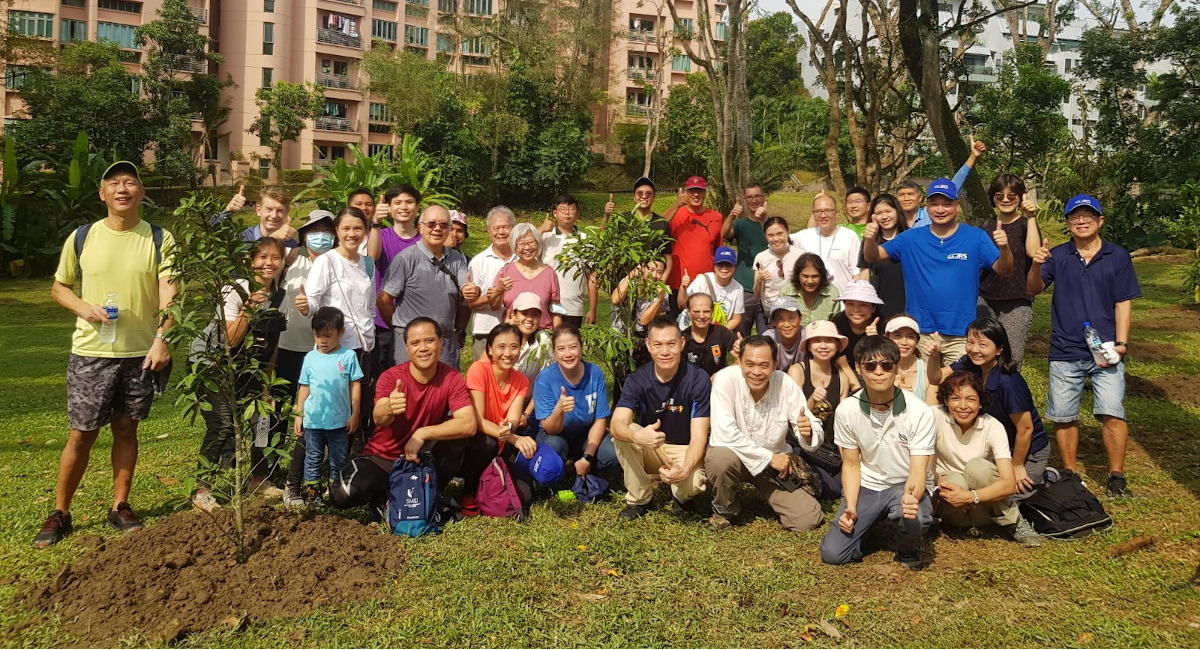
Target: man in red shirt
[(696, 231), (411, 403)]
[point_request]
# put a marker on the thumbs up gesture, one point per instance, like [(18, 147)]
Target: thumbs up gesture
[(687, 279), (566, 403), (873, 327), (761, 212), (302, 301), (871, 230), (1042, 253), (977, 148), (1029, 206), (931, 345), (609, 207), (396, 401), (238, 201), (736, 211), (999, 236)]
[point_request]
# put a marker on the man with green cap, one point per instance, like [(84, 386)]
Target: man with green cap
[(121, 268)]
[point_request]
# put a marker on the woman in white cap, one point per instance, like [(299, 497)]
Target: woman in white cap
[(785, 332), (526, 314), (813, 290), (912, 373), (826, 384), (858, 318)]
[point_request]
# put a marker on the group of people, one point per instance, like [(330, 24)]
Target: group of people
[(875, 362)]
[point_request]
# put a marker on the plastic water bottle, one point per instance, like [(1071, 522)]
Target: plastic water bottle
[(108, 331), (1095, 344)]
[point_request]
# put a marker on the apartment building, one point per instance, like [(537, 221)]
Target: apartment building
[(323, 41)]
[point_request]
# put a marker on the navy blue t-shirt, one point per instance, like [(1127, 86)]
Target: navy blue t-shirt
[(1008, 394), (675, 402), (941, 277), (1086, 292)]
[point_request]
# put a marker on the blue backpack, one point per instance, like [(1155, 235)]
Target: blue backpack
[(413, 507)]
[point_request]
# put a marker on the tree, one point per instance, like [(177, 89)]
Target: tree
[(689, 130), (773, 57), (175, 47), (283, 110), (408, 84)]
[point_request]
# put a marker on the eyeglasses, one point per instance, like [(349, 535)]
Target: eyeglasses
[(1080, 218), (643, 195), (436, 225), (870, 366), (833, 211), (1000, 196)]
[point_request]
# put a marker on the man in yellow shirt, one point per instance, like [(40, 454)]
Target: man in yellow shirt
[(125, 261)]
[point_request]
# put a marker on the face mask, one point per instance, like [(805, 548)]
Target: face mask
[(319, 242)]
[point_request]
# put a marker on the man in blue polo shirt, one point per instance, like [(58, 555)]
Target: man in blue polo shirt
[(1096, 283), (941, 267)]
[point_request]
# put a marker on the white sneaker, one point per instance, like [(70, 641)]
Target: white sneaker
[(292, 497), (204, 500), (265, 489)]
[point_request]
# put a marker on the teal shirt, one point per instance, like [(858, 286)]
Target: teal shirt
[(751, 240)]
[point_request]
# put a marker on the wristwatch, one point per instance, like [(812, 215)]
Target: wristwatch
[(159, 336), (590, 458), (1121, 343), (976, 496)]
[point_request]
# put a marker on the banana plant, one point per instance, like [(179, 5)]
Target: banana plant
[(339, 178)]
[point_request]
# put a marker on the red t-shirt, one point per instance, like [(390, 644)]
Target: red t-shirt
[(495, 403), (697, 237), (427, 404)]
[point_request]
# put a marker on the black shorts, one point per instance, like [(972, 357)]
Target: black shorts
[(97, 387)]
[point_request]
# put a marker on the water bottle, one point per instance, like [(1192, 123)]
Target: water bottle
[(1094, 343), (108, 331)]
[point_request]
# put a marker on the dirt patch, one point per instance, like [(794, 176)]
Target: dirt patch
[(1140, 350), (180, 575), (1176, 388), (1177, 318)]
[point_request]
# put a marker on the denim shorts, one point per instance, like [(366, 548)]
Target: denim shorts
[(1066, 388)]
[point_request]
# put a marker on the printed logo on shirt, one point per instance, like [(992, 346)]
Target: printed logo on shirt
[(904, 440), (341, 368), (591, 402), (716, 352), (957, 256), (670, 407), (692, 357)]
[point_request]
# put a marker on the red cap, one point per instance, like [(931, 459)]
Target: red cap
[(696, 183)]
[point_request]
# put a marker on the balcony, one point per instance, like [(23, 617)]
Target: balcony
[(640, 73), (349, 2), (378, 127), (640, 36), (334, 37), (335, 124), (198, 66), (201, 14), (636, 110), (337, 81)]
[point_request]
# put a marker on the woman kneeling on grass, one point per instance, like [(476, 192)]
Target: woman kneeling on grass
[(572, 407), (974, 469)]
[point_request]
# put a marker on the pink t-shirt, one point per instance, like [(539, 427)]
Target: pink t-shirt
[(544, 285)]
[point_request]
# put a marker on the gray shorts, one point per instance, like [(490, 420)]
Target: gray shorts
[(97, 387)]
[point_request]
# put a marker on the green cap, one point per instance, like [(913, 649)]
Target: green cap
[(123, 166)]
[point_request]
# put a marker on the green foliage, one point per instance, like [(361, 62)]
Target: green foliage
[(689, 133), (410, 165), (773, 45), (408, 84), (207, 256), (283, 110), (297, 176)]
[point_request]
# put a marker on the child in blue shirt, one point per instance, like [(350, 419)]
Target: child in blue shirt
[(327, 402)]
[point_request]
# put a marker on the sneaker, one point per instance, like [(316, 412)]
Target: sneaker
[(57, 526), (1051, 475), (264, 488), (912, 561), (123, 519), (1117, 488), (632, 511), (292, 497), (1024, 534), (204, 500), (314, 495), (719, 522)]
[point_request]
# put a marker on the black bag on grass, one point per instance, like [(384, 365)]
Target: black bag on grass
[(1065, 510)]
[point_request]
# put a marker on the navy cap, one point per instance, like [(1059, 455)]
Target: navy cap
[(1083, 201), (943, 187), (725, 254), (643, 181), (546, 467)]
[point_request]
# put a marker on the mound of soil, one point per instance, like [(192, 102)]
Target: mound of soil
[(181, 576), (1176, 388)]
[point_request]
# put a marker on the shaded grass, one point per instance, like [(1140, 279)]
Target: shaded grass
[(573, 576)]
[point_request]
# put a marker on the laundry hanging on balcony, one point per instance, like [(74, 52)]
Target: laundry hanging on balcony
[(345, 25)]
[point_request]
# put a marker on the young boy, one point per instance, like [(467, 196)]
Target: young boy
[(327, 402)]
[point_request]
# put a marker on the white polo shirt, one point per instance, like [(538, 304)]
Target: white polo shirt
[(886, 449), (839, 251), (482, 270)]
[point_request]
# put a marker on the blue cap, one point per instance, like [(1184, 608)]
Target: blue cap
[(725, 254), (943, 187), (545, 468), (1083, 201)]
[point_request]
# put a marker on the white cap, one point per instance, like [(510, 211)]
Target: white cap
[(899, 323)]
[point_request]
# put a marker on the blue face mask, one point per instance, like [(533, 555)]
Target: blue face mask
[(319, 242)]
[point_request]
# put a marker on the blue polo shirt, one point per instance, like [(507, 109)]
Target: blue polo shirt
[(1008, 395), (1086, 292), (941, 278)]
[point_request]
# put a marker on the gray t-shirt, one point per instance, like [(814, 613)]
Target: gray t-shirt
[(422, 288)]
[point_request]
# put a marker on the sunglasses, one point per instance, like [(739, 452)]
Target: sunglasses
[(870, 366), (436, 225)]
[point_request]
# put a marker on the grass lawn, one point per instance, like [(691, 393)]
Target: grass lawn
[(574, 577)]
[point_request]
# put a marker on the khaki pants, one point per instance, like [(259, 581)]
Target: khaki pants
[(979, 473), (640, 462), (797, 510), (953, 347)]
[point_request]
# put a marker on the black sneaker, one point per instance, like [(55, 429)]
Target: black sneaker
[(57, 526), (1117, 488), (912, 561), (123, 519), (632, 511)]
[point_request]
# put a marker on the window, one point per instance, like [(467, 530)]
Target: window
[(264, 168), (416, 35), (268, 38), (379, 112), (385, 29), (120, 34), (72, 30), (477, 46), (269, 6), (73, 3), (444, 44), (685, 25), (135, 86), (376, 149), (641, 61), (31, 23), (385, 5), (264, 138), (341, 68), (448, 6), (329, 152), (681, 63), (1067, 65), (267, 74), (477, 7), (14, 76), (121, 5)]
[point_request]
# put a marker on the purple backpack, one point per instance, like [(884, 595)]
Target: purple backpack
[(497, 495)]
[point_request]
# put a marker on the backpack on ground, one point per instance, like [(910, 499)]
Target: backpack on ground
[(498, 495), (413, 507), (80, 238), (1065, 509)]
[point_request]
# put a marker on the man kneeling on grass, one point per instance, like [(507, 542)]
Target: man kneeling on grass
[(754, 408), (887, 437)]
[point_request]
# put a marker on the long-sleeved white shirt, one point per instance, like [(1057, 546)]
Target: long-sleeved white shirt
[(756, 431)]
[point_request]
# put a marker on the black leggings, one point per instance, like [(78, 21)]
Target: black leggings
[(366, 479)]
